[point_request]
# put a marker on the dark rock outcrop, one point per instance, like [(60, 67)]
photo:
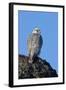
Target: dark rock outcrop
[(38, 69)]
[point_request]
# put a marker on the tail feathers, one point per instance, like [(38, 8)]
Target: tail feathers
[(30, 59)]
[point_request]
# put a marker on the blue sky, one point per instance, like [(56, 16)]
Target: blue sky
[(48, 24)]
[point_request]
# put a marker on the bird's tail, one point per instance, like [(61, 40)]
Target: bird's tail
[(30, 59)]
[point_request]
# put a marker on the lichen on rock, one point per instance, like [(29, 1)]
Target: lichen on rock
[(39, 68)]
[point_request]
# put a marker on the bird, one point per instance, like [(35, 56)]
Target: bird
[(34, 44)]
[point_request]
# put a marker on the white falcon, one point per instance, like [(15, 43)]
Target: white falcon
[(34, 44)]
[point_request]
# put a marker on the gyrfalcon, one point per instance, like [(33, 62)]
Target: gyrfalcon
[(34, 43)]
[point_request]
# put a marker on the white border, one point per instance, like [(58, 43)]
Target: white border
[(60, 45)]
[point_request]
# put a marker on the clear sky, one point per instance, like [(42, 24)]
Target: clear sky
[(48, 24)]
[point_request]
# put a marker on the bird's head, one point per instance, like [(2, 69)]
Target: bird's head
[(36, 31)]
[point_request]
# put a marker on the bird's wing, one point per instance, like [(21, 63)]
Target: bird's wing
[(41, 42)]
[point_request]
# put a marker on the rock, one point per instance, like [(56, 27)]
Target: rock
[(39, 68)]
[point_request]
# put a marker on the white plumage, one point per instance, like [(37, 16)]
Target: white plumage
[(34, 44)]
